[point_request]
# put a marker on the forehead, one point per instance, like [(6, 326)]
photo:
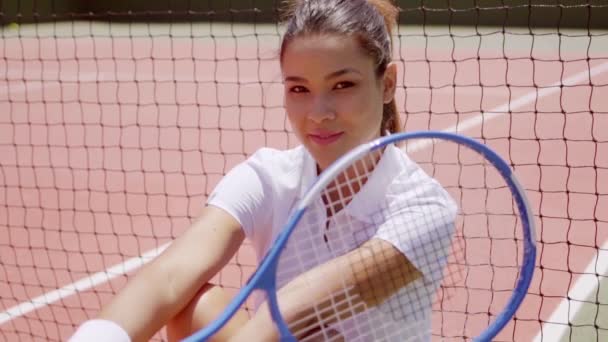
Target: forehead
[(324, 53)]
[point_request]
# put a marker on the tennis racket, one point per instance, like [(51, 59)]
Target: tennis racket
[(450, 207)]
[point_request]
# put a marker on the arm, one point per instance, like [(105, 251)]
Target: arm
[(367, 276), (162, 288)]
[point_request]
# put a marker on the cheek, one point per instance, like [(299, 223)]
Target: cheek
[(362, 109), (296, 113), (374, 105)]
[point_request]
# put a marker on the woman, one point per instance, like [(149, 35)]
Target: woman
[(339, 92)]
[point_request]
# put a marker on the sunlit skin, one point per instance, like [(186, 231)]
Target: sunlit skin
[(333, 95)]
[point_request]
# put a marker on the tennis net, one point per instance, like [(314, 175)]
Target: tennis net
[(117, 120)]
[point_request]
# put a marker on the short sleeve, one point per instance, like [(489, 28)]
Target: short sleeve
[(420, 224), (243, 193)]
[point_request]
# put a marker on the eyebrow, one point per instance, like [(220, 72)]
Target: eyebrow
[(334, 74)]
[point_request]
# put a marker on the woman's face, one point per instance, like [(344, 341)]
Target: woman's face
[(333, 96)]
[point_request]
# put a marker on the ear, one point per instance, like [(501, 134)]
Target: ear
[(390, 82)]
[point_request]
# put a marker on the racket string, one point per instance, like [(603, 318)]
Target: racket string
[(460, 294)]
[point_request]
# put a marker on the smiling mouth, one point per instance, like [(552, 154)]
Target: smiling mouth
[(325, 138)]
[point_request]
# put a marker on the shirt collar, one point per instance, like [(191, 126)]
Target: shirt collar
[(309, 173), (370, 198)]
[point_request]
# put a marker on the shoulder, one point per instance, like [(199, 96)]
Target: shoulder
[(414, 185), (278, 162), (409, 172), (278, 168), (260, 188), (269, 173), (255, 189)]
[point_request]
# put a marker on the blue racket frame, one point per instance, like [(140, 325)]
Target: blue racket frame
[(264, 277)]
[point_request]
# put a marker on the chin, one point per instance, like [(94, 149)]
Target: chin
[(325, 156)]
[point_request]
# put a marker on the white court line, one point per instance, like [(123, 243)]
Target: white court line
[(35, 80), (517, 103), (81, 285), (556, 327), (131, 264)]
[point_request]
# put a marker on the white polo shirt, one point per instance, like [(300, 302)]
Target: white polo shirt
[(399, 203)]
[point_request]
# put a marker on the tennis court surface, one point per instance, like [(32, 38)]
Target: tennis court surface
[(113, 134)]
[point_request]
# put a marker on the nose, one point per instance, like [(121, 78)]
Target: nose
[(321, 110)]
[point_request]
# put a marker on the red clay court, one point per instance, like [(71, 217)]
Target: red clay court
[(112, 136)]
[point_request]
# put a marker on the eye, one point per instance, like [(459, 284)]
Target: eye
[(344, 85), (298, 89)]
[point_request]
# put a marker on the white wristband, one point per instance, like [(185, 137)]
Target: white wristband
[(100, 330)]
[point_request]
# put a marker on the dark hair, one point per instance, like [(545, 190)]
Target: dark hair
[(370, 21)]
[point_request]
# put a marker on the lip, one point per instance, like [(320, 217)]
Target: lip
[(325, 137)]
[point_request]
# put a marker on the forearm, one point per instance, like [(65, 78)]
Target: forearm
[(164, 287), (144, 305), (308, 306), (298, 301), (157, 293), (350, 284), (336, 290)]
